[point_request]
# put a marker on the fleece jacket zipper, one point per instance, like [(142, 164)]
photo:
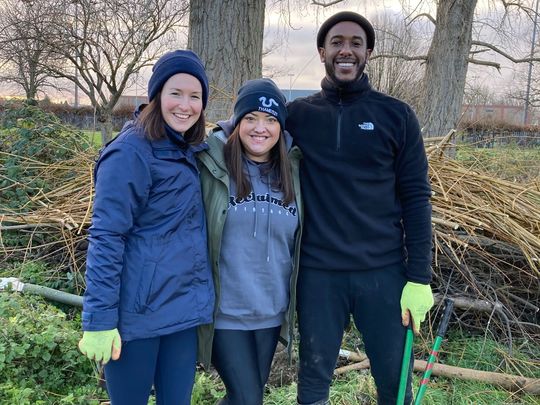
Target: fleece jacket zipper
[(338, 135)]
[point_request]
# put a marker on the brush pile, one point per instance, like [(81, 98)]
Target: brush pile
[(486, 232)]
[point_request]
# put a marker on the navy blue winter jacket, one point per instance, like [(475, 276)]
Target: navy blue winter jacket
[(147, 267)]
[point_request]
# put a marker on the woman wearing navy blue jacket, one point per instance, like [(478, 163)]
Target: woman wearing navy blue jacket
[(148, 278)]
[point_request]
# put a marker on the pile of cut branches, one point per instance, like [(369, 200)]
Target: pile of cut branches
[(486, 235)]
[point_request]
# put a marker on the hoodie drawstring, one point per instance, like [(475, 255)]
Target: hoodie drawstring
[(251, 173), (268, 233)]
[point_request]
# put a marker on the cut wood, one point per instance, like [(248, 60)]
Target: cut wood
[(466, 303), (507, 381)]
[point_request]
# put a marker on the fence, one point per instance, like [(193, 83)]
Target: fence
[(493, 137)]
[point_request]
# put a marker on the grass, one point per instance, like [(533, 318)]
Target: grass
[(94, 137), (509, 162), (358, 387)]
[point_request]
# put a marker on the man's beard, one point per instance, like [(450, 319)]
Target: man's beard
[(331, 73)]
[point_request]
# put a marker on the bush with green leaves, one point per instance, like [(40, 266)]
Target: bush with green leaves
[(30, 139), (44, 274), (39, 359)]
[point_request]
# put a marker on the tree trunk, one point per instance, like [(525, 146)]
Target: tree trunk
[(446, 67), (228, 36), (104, 117)]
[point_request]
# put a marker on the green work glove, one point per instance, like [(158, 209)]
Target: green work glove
[(416, 301), (101, 346)]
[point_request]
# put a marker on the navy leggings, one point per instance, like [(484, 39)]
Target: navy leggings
[(325, 302), (243, 359), (167, 361)]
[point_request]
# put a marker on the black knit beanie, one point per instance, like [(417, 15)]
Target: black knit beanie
[(180, 61), (346, 16), (260, 95)]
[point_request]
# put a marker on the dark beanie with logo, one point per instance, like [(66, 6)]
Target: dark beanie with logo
[(346, 16), (260, 95), (179, 61)]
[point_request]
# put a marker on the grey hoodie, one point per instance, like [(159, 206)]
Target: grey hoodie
[(256, 255)]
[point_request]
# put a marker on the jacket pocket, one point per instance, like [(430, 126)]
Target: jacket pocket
[(145, 286)]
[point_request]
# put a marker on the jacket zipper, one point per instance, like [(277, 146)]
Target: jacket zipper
[(338, 135)]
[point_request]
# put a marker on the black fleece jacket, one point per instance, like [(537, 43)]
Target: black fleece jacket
[(364, 181)]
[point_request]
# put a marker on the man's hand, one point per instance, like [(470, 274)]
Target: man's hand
[(101, 346), (416, 301)]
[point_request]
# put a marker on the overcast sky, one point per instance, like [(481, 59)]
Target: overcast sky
[(302, 69)]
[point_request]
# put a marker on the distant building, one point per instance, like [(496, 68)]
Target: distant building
[(294, 94), (130, 102), (497, 113), (135, 101)]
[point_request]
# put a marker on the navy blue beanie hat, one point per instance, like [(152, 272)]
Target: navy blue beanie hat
[(180, 61), (260, 95), (346, 16)]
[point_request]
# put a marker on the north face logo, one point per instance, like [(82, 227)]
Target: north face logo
[(367, 126)]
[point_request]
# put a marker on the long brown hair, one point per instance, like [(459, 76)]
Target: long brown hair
[(153, 124), (279, 168)]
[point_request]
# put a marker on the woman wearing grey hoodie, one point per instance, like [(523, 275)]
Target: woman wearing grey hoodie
[(252, 199)]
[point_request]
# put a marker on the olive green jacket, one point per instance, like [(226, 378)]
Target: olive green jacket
[(215, 189)]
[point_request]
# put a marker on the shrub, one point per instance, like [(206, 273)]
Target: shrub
[(39, 359), (30, 139)]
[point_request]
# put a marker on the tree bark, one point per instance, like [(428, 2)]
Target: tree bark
[(104, 117), (446, 67), (228, 36)]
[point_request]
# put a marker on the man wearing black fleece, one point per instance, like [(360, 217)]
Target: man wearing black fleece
[(366, 247)]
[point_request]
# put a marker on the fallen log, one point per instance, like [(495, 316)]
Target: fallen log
[(507, 381), (467, 303)]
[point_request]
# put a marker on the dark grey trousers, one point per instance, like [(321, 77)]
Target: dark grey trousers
[(325, 302)]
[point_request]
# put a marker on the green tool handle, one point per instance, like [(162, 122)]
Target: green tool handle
[(427, 372), (405, 365), (443, 326)]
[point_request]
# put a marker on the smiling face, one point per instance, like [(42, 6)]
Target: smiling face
[(181, 101), (345, 53), (259, 132)]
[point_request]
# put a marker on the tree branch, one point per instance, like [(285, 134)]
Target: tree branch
[(485, 63), (399, 56), (508, 381), (427, 15), (502, 53), (325, 4)]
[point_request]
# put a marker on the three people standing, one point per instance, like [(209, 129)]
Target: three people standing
[(366, 241)]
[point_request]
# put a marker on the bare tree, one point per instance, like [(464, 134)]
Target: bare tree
[(516, 93), (446, 66), (478, 94), (391, 75), (453, 48), (228, 36), (25, 57), (105, 43)]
